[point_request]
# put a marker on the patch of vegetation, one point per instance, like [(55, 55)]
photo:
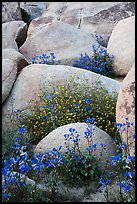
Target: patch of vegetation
[(100, 62), (57, 167), (69, 104), (102, 39)]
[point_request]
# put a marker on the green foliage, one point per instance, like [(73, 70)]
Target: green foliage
[(72, 167), (8, 140), (27, 193), (67, 104), (80, 172), (100, 62)]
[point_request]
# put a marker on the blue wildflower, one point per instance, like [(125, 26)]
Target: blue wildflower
[(72, 130), (22, 183), (118, 157), (90, 120), (66, 136), (103, 145), (129, 174), (119, 125), (6, 195), (94, 145), (12, 161), (77, 104), (122, 184), (22, 130), (127, 188), (87, 101), (133, 135), (101, 181), (88, 108), (73, 111), (87, 134), (108, 181)]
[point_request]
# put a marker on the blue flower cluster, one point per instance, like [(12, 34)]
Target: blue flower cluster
[(100, 62), (45, 59), (123, 126), (124, 162), (102, 40), (22, 164)]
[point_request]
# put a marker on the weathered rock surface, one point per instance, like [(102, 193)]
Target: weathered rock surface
[(33, 78), (60, 38), (9, 72), (11, 12), (8, 42), (113, 188), (125, 107), (16, 56), (97, 17), (16, 29), (68, 29), (12, 63), (34, 9), (56, 138), (122, 45)]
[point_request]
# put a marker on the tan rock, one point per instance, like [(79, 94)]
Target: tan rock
[(16, 56), (122, 45), (11, 11), (39, 23), (8, 42), (125, 107), (66, 41), (34, 9), (12, 63), (92, 17), (33, 78), (56, 138), (9, 72), (16, 29)]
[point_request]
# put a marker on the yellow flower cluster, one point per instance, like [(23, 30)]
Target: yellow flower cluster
[(68, 104)]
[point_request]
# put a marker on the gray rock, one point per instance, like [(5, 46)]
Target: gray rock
[(11, 12), (16, 56), (92, 17), (56, 139), (16, 29), (9, 72), (34, 9), (122, 45), (125, 108), (12, 63), (33, 78), (8, 42), (66, 41)]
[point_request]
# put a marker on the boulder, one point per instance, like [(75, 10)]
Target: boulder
[(92, 17), (56, 138), (12, 63), (8, 42), (16, 56), (11, 12), (66, 41), (9, 72), (113, 189), (34, 9), (125, 108), (16, 29), (122, 45), (33, 78), (38, 24)]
